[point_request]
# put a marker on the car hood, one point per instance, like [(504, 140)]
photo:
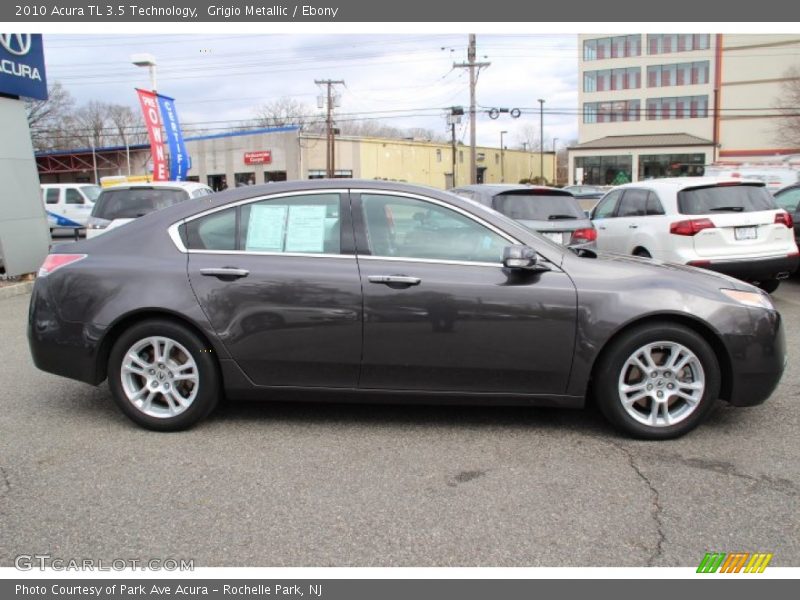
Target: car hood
[(653, 267)]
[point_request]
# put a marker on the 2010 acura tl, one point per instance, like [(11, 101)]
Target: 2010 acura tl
[(366, 288)]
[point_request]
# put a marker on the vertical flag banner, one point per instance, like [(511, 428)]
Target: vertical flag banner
[(153, 121), (179, 159)]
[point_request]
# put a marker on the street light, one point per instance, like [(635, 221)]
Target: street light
[(149, 61), (541, 139), (555, 163), (502, 158)]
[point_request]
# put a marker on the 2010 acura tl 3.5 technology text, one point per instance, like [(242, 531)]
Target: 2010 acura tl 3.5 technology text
[(370, 289)]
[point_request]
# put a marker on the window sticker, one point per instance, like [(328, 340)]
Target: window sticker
[(305, 229), (266, 228)]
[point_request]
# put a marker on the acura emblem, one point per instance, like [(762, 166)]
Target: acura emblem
[(16, 43)]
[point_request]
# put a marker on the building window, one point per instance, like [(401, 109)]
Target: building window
[(652, 166), (612, 79), (461, 156), (438, 155), (605, 170), (671, 42), (243, 179), (322, 174), (611, 112), (621, 46), (690, 73), (683, 107)]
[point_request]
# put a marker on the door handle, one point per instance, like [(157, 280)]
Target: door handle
[(225, 272), (633, 226), (394, 280)]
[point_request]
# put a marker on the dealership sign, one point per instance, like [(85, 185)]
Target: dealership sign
[(22, 65), (260, 157), (152, 120)]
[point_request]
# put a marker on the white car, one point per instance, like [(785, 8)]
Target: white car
[(121, 204), (732, 226), (69, 205)]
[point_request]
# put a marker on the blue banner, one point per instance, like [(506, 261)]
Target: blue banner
[(22, 65), (179, 162)]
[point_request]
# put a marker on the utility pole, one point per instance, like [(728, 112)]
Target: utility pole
[(473, 79), (541, 140), (330, 138)]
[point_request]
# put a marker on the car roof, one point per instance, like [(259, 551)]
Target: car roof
[(184, 185), (507, 187), (67, 185), (674, 184)]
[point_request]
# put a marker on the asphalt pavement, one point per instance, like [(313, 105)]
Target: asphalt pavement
[(276, 484)]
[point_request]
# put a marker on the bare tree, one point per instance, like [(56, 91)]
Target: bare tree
[(788, 103), (288, 111), (527, 136), (128, 125), (49, 119)]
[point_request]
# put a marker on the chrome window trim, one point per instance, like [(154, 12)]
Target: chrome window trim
[(255, 253), (432, 261)]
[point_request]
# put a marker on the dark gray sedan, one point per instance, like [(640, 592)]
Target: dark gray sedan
[(553, 212), (364, 289)]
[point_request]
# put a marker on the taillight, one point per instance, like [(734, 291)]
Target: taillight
[(784, 218), (53, 262), (690, 226), (587, 234)]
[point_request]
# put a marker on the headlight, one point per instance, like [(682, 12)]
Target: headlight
[(754, 299)]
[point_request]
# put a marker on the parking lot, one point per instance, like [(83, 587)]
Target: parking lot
[(375, 485)]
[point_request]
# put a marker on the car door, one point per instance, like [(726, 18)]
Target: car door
[(76, 207), (441, 313), (278, 280), (603, 219), (624, 227)]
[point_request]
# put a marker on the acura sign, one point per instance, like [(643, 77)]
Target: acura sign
[(22, 70)]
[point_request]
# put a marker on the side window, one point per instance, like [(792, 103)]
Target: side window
[(74, 197), (304, 224), (633, 203), (789, 200), (654, 205), (51, 195), (411, 228), (605, 208), (216, 231)]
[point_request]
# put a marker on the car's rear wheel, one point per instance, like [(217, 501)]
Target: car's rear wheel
[(163, 376), (770, 285), (657, 381)]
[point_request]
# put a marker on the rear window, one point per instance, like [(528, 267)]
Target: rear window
[(724, 198), (527, 206), (135, 202)]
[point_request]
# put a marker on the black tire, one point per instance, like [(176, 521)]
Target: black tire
[(610, 368), (642, 253), (207, 375), (770, 285)]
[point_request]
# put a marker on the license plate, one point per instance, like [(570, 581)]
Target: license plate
[(556, 237), (745, 233)]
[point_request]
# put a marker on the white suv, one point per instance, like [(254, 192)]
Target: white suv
[(728, 225)]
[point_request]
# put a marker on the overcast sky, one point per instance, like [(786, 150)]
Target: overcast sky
[(401, 80)]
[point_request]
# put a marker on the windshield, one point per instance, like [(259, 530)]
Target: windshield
[(91, 192), (527, 206), (724, 198), (130, 203)]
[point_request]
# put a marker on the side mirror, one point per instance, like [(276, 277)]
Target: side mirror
[(522, 257)]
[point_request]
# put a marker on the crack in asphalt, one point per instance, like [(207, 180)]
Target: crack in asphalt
[(657, 510), (5, 484), (779, 484)]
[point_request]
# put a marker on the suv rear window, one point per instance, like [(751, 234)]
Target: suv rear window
[(532, 206), (135, 202), (724, 198)]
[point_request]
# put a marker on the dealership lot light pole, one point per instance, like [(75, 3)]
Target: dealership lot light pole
[(149, 61), (541, 140)]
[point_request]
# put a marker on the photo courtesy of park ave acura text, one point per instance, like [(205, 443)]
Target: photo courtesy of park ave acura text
[(326, 294)]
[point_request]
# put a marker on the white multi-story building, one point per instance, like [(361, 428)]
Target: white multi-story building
[(656, 105)]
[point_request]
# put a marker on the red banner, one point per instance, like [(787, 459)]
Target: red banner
[(259, 157), (152, 119)]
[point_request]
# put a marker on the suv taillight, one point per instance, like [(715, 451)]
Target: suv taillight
[(690, 226), (53, 262), (586, 234), (784, 218)]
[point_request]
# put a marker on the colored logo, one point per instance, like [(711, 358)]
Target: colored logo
[(18, 44), (735, 562)]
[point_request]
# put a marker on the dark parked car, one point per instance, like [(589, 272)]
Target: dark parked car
[(360, 288), (788, 198), (551, 211)]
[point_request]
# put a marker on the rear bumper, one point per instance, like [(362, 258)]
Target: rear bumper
[(758, 269)]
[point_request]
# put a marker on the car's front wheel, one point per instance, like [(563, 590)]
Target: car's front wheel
[(657, 381), (770, 285), (163, 376)]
